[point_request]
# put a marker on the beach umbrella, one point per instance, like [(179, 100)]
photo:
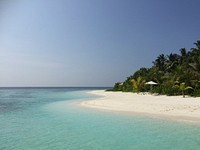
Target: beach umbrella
[(151, 83)]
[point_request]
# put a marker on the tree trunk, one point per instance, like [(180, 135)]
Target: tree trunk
[(183, 94)]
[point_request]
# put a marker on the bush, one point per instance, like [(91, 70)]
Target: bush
[(117, 87), (196, 93), (156, 89), (170, 91)]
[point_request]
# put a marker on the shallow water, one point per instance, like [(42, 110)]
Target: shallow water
[(49, 118)]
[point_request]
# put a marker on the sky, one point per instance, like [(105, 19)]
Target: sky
[(89, 42)]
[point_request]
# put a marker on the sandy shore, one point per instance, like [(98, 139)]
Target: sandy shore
[(173, 107)]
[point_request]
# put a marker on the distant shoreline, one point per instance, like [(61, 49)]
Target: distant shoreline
[(165, 107)]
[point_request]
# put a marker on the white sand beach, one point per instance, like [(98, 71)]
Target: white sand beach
[(172, 107)]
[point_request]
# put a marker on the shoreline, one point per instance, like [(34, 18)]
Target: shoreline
[(165, 107)]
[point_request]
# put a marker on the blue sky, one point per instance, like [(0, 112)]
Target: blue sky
[(89, 42)]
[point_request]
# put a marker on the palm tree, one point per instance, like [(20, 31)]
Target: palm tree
[(197, 44), (182, 87), (194, 65), (137, 84), (183, 52), (194, 60), (183, 57), (196, 51), (172, 62), (160, 62)]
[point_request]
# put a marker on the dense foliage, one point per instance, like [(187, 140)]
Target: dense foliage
[(176, 74)]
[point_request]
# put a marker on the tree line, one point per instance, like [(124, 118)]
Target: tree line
[(176, 74)]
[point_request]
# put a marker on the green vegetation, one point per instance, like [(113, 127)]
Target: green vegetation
[(137, 84), (176, 74), (182, 87)]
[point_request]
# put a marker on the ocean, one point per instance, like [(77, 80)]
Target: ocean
[(52, 119)]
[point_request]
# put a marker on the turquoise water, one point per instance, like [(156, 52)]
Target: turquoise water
[(50, 118)]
